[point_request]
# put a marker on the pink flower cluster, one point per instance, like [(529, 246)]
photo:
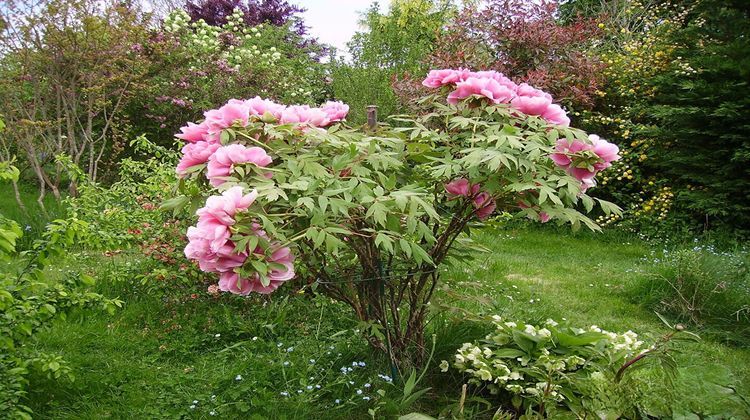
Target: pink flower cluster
[(498, 89), (584, 160), (483, 202), (239, 112), (203, 139), (211, 246), (221, 162)]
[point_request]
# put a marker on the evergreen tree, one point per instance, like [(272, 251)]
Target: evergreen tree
[(702, 114)]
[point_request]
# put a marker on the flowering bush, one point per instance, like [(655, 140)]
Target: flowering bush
[(198, 65), (553, 367), (524, 40), (367, 216)]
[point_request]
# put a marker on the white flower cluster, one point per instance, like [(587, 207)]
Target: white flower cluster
[(176, 21), (483, 365), (501, 363), (207, 39), (626, 342)]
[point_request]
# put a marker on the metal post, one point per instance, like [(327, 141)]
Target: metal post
[(372, 116)]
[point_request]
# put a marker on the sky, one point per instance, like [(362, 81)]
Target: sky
[(334, 22)]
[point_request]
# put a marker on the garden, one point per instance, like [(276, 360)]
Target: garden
[(496, 209)]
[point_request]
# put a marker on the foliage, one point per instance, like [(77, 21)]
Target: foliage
[(675, 78), (393, 45), (702, 287), (197, 66), (542, 370), (525, 41), (126, 212), (698, 112), (636, 47), (30, 301), (64, 85)]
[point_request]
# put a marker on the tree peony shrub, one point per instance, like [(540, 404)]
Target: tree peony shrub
[(367, 216)]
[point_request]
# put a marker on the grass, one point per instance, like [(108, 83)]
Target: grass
[(164, 351), (33, 219)]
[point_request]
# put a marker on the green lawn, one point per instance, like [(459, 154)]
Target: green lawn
[(165, 350), (33, 219)]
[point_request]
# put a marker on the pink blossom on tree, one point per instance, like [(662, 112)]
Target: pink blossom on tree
[(336, 111), (195, 154), (221, 163), (439, 78), (193, 132), (489, 88)]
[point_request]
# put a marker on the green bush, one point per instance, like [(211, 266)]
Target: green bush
[(30, 300)]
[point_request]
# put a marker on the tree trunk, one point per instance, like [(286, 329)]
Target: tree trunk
[(17, 194)]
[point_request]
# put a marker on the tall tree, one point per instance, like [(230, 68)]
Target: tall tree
[(701, 113)]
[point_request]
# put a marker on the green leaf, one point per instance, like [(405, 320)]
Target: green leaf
[(377, 212), (507, 353), (384, 242), (86, 279), (411, 382), (323, 203), (584, 339), (524, 341), (421, 255), (259, 266), (175, 203), (405, 247), (416, 416)]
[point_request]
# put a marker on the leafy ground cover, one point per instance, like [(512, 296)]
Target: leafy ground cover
[(184, 353)]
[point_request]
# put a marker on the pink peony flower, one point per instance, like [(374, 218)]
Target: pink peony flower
[(458, 187), (543, 217), (234, 112), (232, 282), (336, 111), (489, 88), (259, 106), (497, 76), (193, 132), (564, 150), (220, 164), (209, 241), (195, 154), (606, 151), (303, 114), (556, 115), (525, 89), (485, 205), (587, 183), (284, 257), (569, 156), (212, 259), (438, 78), (531, 105)]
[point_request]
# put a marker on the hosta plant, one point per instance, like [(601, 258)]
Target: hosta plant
[(366, 216), (554, 369)]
